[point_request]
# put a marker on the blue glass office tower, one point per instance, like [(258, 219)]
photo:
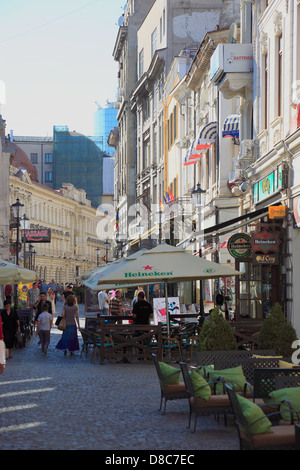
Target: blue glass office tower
[(105, 120), (79, 161)]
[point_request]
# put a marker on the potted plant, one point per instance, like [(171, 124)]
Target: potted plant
[(216, 334), (277, 333)]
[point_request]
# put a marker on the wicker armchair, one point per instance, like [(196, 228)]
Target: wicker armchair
[(282, 437), (168, 392), (216, 405)]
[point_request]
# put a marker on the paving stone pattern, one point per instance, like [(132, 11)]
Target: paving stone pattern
[(68, 403)]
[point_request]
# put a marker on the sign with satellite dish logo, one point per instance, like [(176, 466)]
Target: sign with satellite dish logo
[(239, 245)]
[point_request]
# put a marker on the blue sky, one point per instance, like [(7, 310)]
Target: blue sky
[(56, 61)]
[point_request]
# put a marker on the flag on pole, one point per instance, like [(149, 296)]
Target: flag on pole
[(171, 195), (75, 248), (161, 205), (117, 220)]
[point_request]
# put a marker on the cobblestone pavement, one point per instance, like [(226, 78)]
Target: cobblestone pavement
[(68, 403)]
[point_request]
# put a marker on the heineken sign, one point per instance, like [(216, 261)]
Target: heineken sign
[(149, 273), (239, 245)]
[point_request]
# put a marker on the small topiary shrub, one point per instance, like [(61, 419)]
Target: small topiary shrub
[(276, 333), (216, 334)]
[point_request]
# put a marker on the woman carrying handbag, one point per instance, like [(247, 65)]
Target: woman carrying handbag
[(69, 340)]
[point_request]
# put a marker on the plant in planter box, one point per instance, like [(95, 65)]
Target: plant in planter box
[(276, 333), (216, 334)]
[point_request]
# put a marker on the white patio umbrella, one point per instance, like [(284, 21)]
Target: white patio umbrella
[(166, 264), (13, 274), (92, 281)]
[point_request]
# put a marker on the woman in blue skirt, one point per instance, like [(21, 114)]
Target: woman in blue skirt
[(69, 340)]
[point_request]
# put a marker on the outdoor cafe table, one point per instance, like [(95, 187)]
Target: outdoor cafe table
[(127, 338)]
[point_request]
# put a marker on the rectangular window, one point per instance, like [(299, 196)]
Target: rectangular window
[(164, 22), (34, 157), (48, 157), (141, 63), (160, 29), (153, 42), (48, 176)]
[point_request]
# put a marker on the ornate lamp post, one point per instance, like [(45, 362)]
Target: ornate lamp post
[(196, 194), (17, 207)]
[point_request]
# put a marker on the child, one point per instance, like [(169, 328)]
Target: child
[(44, 325)]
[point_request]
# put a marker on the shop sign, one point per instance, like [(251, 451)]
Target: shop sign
[(239, 245), (269, 185), (271, 258), (265, 242), (297, 212), (36, 236), (277, 212)]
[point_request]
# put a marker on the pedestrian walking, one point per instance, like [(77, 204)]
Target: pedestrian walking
[(43, 329), (115, 304), (51, 298), (69, 291), (39, 304), (142, 310), (103, 302), (32, 295), (44, 287), (69, 340), (10, 324), (2, 349)]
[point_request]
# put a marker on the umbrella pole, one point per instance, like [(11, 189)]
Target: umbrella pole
[(167, 317)]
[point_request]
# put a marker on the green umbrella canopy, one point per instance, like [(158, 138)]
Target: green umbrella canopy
[(92, 281), (166, 263), (13, 274)]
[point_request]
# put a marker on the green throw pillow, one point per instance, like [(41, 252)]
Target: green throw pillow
[(234, 377), (200, 386), (253, 412), (169, 373), (293, 395)]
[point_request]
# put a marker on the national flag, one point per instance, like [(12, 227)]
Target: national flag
[(168, 197), (117, 220), (171, 195), (187, 159), (75, 248), (165, 201), (161, 205), (104, 259)]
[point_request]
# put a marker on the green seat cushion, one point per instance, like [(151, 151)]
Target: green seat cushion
[(252, 412), (200, 386), (291, 394), (170, 374), (234, 377)]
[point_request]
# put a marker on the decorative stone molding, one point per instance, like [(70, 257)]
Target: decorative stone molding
[(277, 23), (263, 43)]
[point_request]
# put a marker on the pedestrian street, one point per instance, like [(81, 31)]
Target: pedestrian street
[(55, 402)]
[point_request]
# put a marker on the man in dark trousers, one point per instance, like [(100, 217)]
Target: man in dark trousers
[(142, 310)]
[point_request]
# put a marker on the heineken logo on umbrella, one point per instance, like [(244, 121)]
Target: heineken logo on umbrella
[(148, 271)]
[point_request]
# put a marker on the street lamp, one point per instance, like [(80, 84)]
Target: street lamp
[(196, 194), (16, 207), (98, 255), (24, 220), (106, 243)]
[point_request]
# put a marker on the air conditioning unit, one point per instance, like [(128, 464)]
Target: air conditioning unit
[(247, 150)]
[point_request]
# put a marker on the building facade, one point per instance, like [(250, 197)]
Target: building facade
[(6, 155), (77, 160), (40, 152), (74, 246), (105, 119)]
